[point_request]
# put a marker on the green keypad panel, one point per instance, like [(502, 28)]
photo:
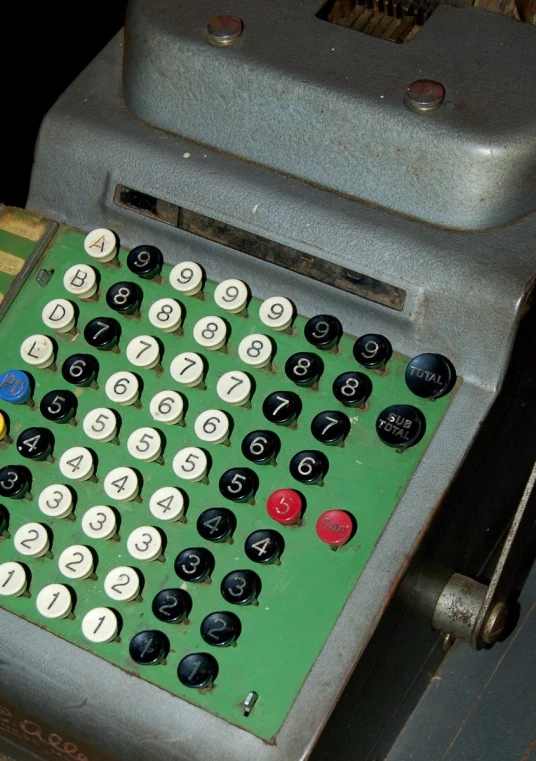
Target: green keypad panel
[(290, 605)]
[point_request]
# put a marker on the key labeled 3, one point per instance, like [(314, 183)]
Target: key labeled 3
[(145, 543)]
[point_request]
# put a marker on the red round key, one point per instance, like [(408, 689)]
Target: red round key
[(285, 506), (335, 527)]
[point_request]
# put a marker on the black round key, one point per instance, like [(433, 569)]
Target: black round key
[(281, 407), (145, 261), (58, 406), (309, 466), (102, 333), (323, 331), (221, 629), (304, 368), (172, 605), (149, 647), (80, 369), (194, 564), (264, 546), (241, 587), (238, 484), (124, 297), (352, 389), (4, 519), (430, 376), (35, 443), (330, 427), (15, 481), (216, 524), (198, 670), (261, 447), (400, 425), (372, 350)]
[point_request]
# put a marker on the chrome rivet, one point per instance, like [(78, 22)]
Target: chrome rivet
[(424, 96), (224, 30)]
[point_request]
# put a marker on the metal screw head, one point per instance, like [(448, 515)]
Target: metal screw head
[(495, 623), (224, 30), (424, 96)]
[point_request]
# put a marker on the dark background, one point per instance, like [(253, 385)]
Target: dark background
[(43, 47)]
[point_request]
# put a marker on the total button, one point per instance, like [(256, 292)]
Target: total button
[(430, 376)]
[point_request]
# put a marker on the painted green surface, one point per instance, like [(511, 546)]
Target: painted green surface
[(303, 596)]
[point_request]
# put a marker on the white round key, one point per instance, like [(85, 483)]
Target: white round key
[(210, 332), (231, 295), (212, 426), (122, 388), (100, 424), (277, 312), (54, 601), (191, 464), (167, 504), (187, 368), (234, 388), (100, 625), (101, 244), (165, 314), (59, 315), (122, 584), (13, 579), (255, 350), (56, 501), (99, 522), (31, 540), (187, 278), (145, 543), (81, 281), (167, 407), (76, 562), (122, 484), (145, 444), (77, 464), (143, 351), (37, 351)]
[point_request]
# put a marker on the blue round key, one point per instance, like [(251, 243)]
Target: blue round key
[(15, 387)]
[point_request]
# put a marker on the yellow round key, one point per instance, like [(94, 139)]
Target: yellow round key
[(3, 427)]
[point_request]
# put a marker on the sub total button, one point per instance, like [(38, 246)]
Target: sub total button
[(400, 426)]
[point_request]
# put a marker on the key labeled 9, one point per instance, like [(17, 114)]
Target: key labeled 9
[(373, 351)]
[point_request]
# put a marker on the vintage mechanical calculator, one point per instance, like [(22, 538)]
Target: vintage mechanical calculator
[(262, 331), (193, 478)]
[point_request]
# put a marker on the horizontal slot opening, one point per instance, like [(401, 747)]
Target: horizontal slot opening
[(268, 250)]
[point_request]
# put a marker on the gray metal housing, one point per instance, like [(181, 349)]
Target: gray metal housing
[(324, 103), (466, 293)]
